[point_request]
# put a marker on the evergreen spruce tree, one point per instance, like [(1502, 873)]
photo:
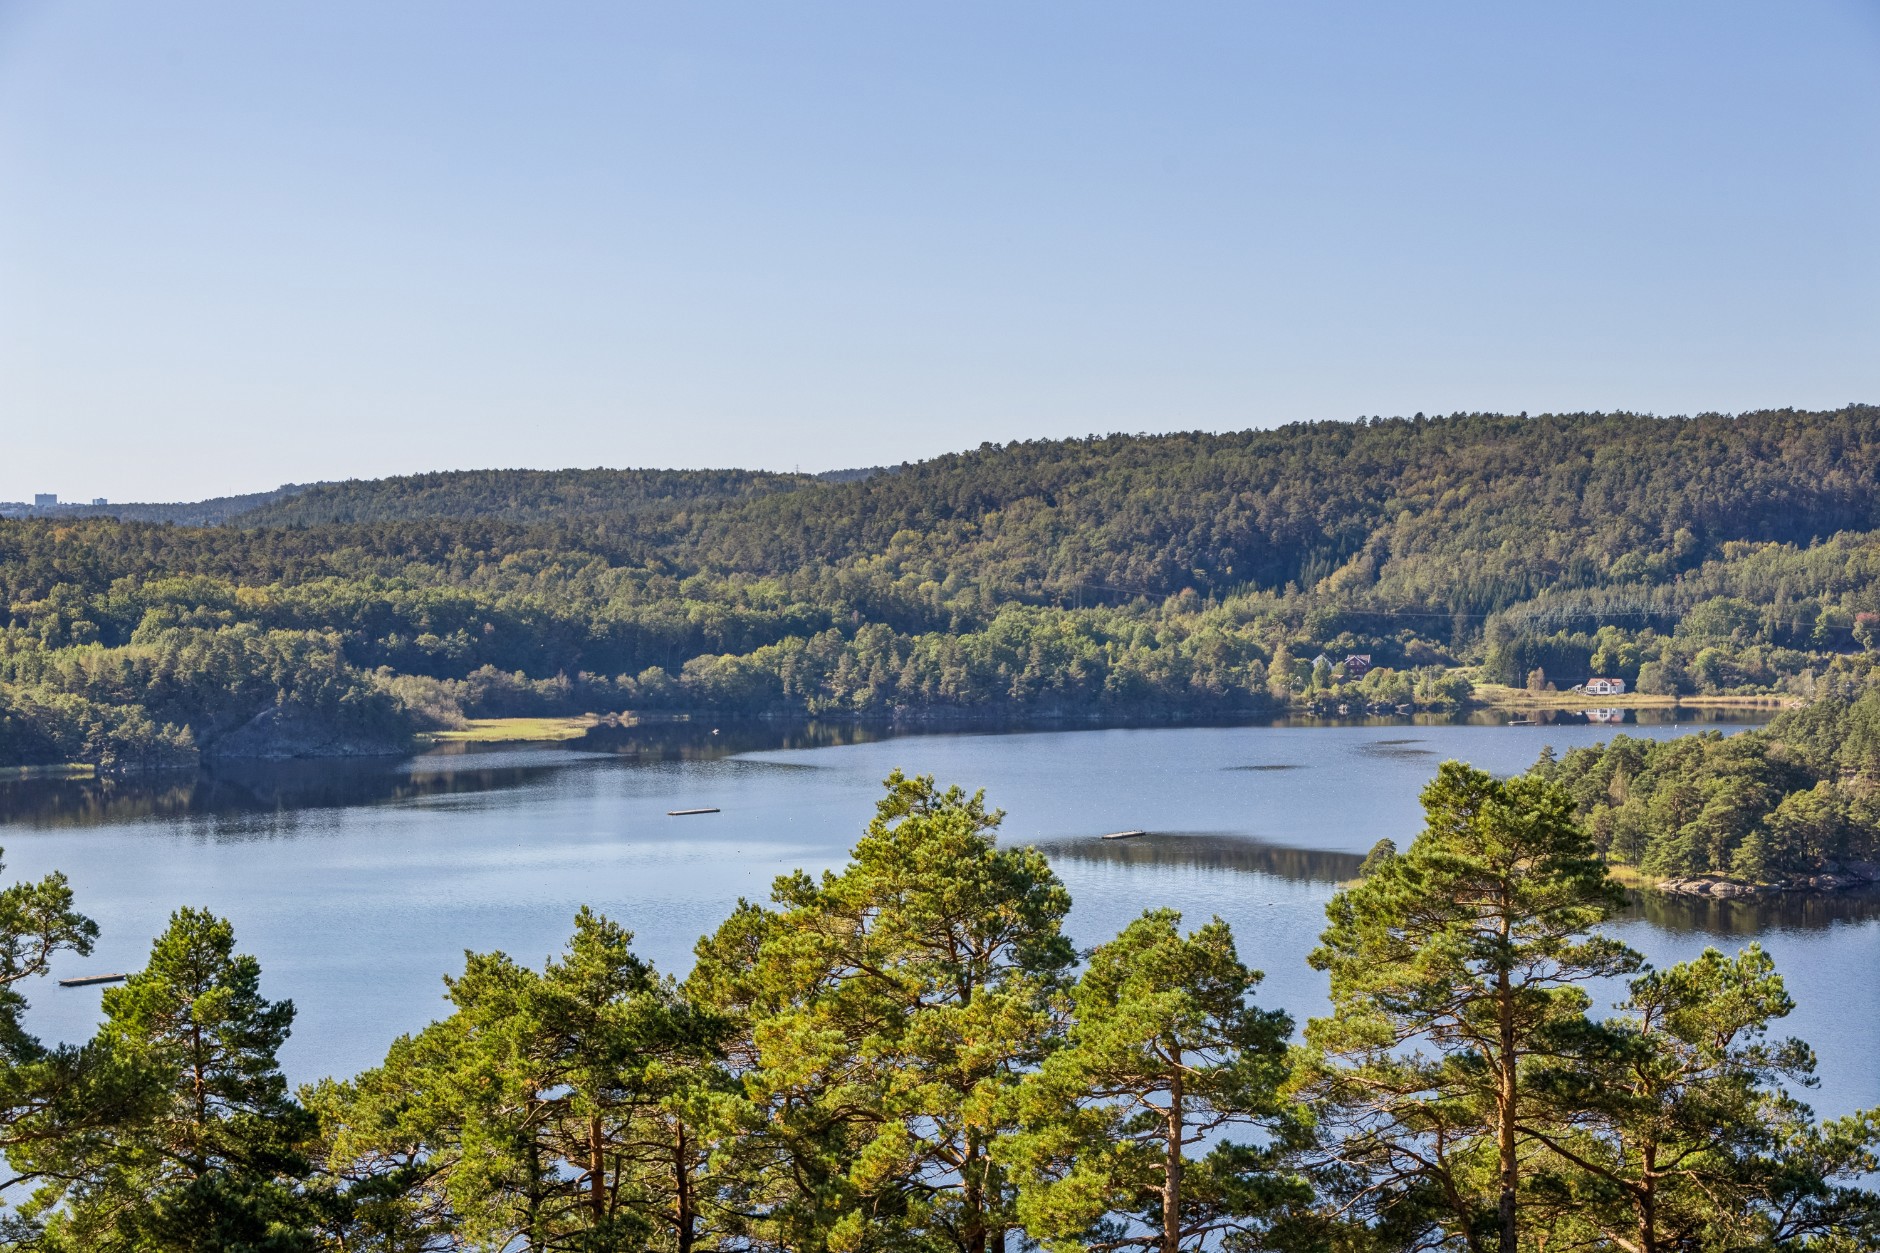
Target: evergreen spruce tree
[(1127, 1132), (1452, 966)]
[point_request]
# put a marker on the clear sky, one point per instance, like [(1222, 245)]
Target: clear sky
[(245, 243)]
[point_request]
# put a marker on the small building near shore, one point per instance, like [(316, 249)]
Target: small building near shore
[(1605, 687)]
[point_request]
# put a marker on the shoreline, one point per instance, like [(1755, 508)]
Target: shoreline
[(538, 729), (1715, 887), (1494, 696), (513, 731), (541, 730)]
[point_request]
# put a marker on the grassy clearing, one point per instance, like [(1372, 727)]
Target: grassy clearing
[(66, 770), (515, 731), (1631, 876)]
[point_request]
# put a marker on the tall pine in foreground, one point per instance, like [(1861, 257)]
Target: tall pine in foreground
[(209, 1158), (1453, 966), (894, 1007), (45, 1093), (1159, 1125), (552, 1111), (1680, 1132)]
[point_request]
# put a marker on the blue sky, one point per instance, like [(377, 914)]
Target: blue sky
[(242, 244)]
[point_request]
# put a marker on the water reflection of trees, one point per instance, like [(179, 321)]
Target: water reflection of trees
[(1207, 851), (235, 788), (1741, 919), (701, 740), (253, 789), (1748, 917)]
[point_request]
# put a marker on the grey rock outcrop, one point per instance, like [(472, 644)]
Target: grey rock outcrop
[(1832, 879), (291, 731)]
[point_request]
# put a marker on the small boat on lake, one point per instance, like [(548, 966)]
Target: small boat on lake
[(1124, 835), (684, 813), (85, 981)]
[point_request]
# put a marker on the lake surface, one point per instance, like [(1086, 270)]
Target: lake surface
[(359, 887)]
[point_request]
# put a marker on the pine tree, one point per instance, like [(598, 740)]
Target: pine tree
[(37, 922), (1124, 1131), (551, 1111), (45, 1093), (895, 1006), (210, 1154), (1677, 1130), (1451, 966)]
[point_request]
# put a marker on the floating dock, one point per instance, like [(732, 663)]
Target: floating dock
[(86, 981), (684, 813), (1124, 835)]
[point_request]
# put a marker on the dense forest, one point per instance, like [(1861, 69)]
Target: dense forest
[(1166, 576), (1796, 802), (911, 1054)]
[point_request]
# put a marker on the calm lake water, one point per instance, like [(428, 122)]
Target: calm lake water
[(359, 887)]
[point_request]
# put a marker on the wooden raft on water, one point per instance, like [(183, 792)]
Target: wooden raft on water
[(682, 813), (1124, 835), (85, 981)]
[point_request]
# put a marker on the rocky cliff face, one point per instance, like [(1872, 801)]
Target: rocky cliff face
[(286, 732)]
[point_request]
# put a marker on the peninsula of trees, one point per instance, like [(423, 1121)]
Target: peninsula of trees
[(1163, 576)]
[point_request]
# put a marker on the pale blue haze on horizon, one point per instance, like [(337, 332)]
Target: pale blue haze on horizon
[(245, 244)]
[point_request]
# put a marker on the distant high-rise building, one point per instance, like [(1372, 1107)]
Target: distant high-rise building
[(45, 500), (99, 500)]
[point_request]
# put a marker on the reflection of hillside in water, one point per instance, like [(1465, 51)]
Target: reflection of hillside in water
[(1207, 850), (707, 741), (258, 788), (1747, 918), (230, 789)]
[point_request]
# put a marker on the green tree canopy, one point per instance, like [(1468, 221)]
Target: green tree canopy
[(1676, 1129), (901, 1000), (209, 1155), (1124, 1138), (1453, 965)]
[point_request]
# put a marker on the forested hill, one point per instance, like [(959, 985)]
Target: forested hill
[(212, 512), (1132, 576), (1468, 513), (1498, 508), (518, 495)]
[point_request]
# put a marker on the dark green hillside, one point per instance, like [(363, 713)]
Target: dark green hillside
[(517, 495), (1128, 576), (1469, 513), (212, 512), (1797, 799)]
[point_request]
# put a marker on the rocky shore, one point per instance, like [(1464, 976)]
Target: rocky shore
[(1856, 874), (291, 732)]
